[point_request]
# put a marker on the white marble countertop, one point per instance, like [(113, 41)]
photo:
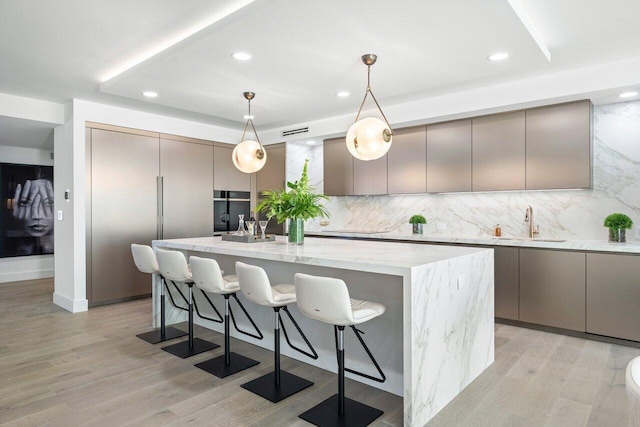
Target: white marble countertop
[(377, 257), (576, 245)]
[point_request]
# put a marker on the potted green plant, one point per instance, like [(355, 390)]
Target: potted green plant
[(617, 223), (296, 203), (417, 221)]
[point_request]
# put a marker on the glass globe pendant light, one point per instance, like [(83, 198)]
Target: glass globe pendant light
[(369, 138), (249, 156)]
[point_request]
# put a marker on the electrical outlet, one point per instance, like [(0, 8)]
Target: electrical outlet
[(441, 226), (59, 215), (637, 232)]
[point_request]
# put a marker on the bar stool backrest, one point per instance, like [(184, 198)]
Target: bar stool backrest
[(254, 283), (323, 298), (144, 258), (173, 265), (207, 274)]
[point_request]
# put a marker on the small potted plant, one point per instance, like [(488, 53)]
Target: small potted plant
[(417, 221), (296, 203), (617, 223)]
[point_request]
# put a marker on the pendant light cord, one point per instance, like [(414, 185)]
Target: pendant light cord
[(367, 92), (250, 121)]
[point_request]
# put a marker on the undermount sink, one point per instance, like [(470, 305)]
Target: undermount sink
[(531, 239)]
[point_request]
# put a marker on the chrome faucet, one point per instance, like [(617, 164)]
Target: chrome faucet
[(528, 217)]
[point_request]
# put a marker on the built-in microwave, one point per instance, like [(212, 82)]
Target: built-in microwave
[(227, 205)]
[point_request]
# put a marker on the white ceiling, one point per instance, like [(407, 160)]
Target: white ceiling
[(303, 51)]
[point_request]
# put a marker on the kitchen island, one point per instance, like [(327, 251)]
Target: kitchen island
[(436, 336)]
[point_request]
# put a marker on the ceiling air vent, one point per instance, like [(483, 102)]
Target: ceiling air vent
[(295, 131)]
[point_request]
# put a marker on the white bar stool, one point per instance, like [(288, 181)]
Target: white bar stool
[(327, 300), (632, 380), (254, 283), (145, 259), (208, 278), (173, 266)]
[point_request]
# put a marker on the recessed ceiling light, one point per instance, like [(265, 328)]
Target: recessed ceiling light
[(498, 56), (241, 56), (343, 94), (628, 94), (248, 117), (150, 94), (311, 142)]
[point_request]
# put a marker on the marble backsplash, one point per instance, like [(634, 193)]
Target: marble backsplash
[(570, 214)]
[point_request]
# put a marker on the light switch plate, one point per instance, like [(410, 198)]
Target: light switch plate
[(637, 232), (441, 226)]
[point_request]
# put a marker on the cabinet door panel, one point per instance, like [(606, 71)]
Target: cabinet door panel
[(613, 295), (559, 146), (507, 292), (449, 157), (370, 177), (225, 175), (407, 161), (499, 152), (552, 288), (338, 168), (272, 177), (124, 171), (187, 189)]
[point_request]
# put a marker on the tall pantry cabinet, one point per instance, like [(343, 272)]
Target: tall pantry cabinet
[(141, 186)]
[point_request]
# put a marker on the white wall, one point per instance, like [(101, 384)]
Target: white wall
[(569, 214), (69, 142)]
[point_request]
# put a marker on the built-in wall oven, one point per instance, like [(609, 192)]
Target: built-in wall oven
[(227, 205)]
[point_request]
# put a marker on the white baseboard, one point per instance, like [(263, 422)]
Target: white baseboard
[(25, 275), (74, 306)]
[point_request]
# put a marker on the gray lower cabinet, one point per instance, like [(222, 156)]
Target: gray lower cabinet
[(558, 148), (499, 152), (613, 295), (552, 288), (449, 156), (338, 168), (225, 175), (272, 177), (370, 177), (407, 161), (507, 283)]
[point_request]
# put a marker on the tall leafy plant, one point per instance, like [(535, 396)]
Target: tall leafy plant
[(297, 201)]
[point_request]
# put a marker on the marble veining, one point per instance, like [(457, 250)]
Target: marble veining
[(565, 214)]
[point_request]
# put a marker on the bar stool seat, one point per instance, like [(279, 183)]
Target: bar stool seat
[(632, 380), (256, 287), (173, 266), (208, 278), (146, 261), (327, 300)]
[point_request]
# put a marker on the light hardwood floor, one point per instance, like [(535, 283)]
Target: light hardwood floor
[(59, 369)]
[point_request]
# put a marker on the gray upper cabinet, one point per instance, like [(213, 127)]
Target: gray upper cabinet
[(370, 177), (559, 146), (499, 152), (407, 161), (449, 156), (613, 295), (225, 175), (338, 168), (187, 189), (552, 288)]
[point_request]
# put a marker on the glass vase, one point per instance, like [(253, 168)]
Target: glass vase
[(296, 231), (617, 235)]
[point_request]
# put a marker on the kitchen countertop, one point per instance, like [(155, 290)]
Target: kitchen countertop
[(524, 242)]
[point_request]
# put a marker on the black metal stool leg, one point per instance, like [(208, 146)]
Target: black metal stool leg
[(192, 346), (338, 410), (164, 333), (229, 363), (277, 385)]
